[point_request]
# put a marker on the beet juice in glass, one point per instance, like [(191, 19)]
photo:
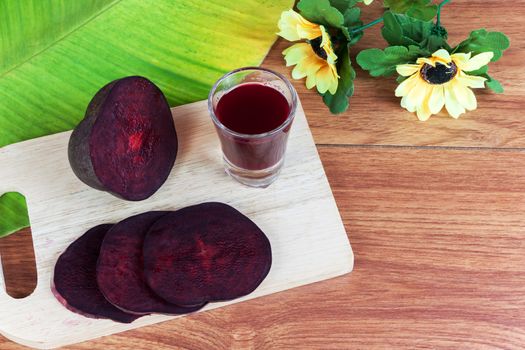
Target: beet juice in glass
[(253, 110)]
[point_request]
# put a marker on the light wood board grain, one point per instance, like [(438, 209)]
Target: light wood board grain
[(298, 213)]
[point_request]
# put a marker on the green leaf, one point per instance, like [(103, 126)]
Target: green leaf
[(437, 39), (352, 17), (14, 213), (435, 42), (355, 37), (402, 6), (424, 13), (339, 102), (392, 30), (482, 41), (54, 56), (420, 9), (404, 31), (343, 5), (321, 12), (494, 85), (383, 62), (352, 20)]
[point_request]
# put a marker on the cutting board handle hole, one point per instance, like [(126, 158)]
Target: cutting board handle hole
[(18, 255)]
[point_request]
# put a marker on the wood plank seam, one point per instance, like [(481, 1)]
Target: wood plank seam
[(445, 148)]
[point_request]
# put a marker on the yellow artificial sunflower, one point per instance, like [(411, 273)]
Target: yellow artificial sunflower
[(314, 59), (440, 80)]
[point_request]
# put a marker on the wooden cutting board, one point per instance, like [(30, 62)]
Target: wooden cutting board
[(297, 212)]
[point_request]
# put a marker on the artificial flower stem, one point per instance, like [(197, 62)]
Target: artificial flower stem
[(438, 21), (368, 25)]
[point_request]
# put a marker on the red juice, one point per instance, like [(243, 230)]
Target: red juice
[(253, 109)]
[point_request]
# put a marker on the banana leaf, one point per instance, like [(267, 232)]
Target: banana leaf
[(55, 55)]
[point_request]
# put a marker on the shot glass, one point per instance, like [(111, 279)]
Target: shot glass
[(253, 109)]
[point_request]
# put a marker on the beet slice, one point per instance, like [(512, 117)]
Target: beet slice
[(207, 252), (120, 270), (126, 144), (75, 282)]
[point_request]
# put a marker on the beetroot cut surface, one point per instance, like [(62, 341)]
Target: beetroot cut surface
[(126, 144), (207, 252), (120, 270), (75, 282)]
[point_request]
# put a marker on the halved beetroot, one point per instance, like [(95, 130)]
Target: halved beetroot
[(75, 282), (126, 144), (207, 252), (120, 271)]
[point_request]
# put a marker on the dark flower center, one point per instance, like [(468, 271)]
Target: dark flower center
[(440, 74), (316, 46)]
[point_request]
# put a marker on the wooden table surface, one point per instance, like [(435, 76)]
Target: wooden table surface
[(433, 211)]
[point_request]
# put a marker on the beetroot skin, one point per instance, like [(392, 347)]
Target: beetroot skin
[(126, 144), (120, 272), (75, 283), (207, 252)]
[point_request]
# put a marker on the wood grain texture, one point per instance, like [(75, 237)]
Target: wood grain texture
[(298, 214), (437, 233), (18, 262), (375, 116), (440, 264)]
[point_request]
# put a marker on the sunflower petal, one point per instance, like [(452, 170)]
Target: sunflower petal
[(333, 87), (471, 80), (408, 84), (442, 55), (423, 111), (311, 72), (326, 78), (331, 57), (478, 61), (310, 64), (461, 59), (417, 94), (471, 103), (295, 27), (325, 37), (311, 80), (453, 106), (407, 69), (407, 106), (298, 72), (423, 60), (307, 32), (465, 96), (335, 81), (326, 45), (313, 64), (323, 79), (288, 25), (295, 53), (436, 100)]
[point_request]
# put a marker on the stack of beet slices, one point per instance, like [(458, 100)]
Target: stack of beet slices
[(162, 262)]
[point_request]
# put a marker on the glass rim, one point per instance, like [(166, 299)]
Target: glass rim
[(285, 124)]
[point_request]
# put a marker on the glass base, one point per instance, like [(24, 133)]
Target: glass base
[(254, 178)]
